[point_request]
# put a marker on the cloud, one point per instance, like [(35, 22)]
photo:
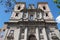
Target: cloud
[(58, 19)]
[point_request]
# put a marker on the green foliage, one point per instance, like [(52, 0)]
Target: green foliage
[(9, 4), (57, 2), (58, 6)]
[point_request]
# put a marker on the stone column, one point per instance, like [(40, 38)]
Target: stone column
[(37, 33), (27, 16), (44, 34), (25, 36), (35, 16), (49, 36)]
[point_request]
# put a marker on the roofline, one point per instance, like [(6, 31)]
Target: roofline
[(42, 2), (38, 2), (21, 2)]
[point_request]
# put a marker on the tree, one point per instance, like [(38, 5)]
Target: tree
[(9, 4), (57, 2)]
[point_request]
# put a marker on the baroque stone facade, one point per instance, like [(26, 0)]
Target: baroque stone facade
[(31, 23)]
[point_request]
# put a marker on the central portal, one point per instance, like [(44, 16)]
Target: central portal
[(32, 37)]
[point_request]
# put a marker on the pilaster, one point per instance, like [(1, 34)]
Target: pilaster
[(5, 35), (25, 38), (37, 33), (44, 33)]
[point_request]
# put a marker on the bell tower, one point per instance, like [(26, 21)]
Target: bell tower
[(17, 13), (47, 13)]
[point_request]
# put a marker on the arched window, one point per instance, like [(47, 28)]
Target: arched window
[(18, 7), (44, 7), (31, 17), (16, 14), (46, 14), (3, 29)]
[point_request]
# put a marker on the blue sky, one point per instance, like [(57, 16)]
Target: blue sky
[(4, 17)]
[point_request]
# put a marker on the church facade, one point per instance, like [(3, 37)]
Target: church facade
[(31, 23)]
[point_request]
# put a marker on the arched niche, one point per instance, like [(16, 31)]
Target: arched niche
[(32, 37)]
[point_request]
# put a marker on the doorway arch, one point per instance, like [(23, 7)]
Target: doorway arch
[(32, 37)]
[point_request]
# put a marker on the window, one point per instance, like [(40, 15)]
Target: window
[(16, 14), (31, 17), (44, 7), (19, 8), (46, 14), (12, 31), (3, 29), (11, 35)]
